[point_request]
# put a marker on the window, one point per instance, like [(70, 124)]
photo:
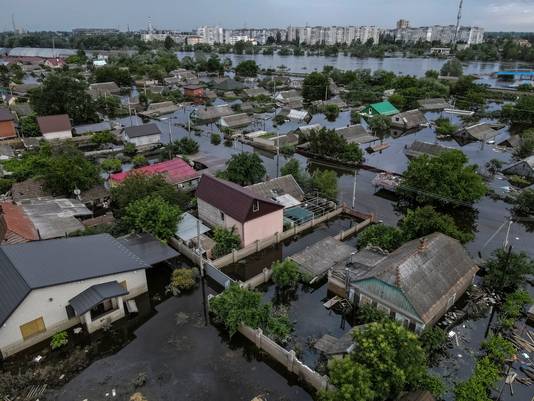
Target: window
[(222, 216), (382, 308), (70, 312), (33, 328), (256, 206), (364, 300), (101, 309)]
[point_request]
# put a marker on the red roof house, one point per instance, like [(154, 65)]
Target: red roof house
[(15, 226), (176, 171)]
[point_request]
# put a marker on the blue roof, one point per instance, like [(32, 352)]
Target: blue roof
[(513, 73)]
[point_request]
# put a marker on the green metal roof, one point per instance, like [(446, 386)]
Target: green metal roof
[(384, 108), (386, 292)]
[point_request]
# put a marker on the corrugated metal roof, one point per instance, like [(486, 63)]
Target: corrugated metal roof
[(40, 52), (175, 171), (147, 248), (91, 297), (187, 228), (384, 108), (278, 186), (137, 131)]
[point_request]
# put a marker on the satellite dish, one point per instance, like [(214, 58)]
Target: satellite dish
[(77, 192)]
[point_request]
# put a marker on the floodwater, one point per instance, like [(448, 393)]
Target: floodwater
[(398, 65)]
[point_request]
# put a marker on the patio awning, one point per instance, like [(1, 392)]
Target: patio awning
[(187, 228), (91, 297)]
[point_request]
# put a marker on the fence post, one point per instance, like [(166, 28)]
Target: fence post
[(265, 275), (257, 245), (290, 360), (233, 255), (259, 334), (277, 234)]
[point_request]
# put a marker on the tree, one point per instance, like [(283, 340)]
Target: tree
[(316, 86), (236, 306), (292, 167), (111, 165), (139, 161), (442, 179), (226, 240), (478, 386), (521, 113), (102, 138), (168, 43), (526, 147), (109, 106), (380, 125), (29, 127), (244, 169), (113, 73), (331, 112), (138, 186), (328, 143), (66, 169), (247, 68), (393, 359), (153, 215), (385, 237), (506, 271), (445, 127), (286, 274), (325, 182), (63, 94), (452, 68), (426, 220), (215, 139), (524, 205)]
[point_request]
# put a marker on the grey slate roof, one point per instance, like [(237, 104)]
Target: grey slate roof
[(278, 186), (148, 248), (137, 131), (433, 104), (409, 119), (356, 134), (40, 264), (418, 148), (86, 300)]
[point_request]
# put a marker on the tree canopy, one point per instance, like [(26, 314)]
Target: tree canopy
[(64, 94), (443, 179), (247, 68), (328, 143), (385, 237), (316, 87), (505, 273), (286, 274), (452, 68), (244, 169), (226, 240), (325, 182)]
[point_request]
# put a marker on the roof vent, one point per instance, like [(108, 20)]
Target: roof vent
[(423, 243)]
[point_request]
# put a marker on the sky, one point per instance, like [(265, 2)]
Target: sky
[(493, 15)]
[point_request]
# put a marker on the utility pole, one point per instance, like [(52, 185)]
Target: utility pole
[(202, 273), (170, 138), (354, 190), (277, 153)]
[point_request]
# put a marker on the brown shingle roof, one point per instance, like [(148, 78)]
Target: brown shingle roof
[(59, 122), (234, 200)]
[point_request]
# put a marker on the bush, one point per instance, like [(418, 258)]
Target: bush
[(59, 340), (286, 274), (518, 181), (445, 127), (498, 349), (385, 237), (183, 280), (129, 149), (331, 112), (139, 161), (5, 185), (215, 139), (512, 308), (225, 241), (369, 314), (433, 340)]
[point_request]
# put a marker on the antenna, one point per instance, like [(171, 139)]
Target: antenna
[(13, 23), (458, 19)]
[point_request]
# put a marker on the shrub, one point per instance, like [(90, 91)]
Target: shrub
[(385, 237), (369, 314), (498, 349), (59, 340), (286, 274), (518, 181), (512, 307), (225, 241), (129, 149), (183, 280), (433, 340), (215, 139), (139, 161)]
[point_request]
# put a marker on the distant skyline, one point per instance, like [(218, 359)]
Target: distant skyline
[(493, 15)]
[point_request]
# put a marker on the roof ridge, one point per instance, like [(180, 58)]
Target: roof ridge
[(127, 251)]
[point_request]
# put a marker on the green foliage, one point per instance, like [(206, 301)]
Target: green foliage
[(505, 273), (169, 43), (111, 165), (331, 112), (236, 306), (186, 146), (498, 349), (244, 169), (64, 94), (59, 340), (28, 126), (379, 125), (215, 139), (445, 127), (521, 113), (292, 167), (526, 147), (518, 181), (113, 73), (153, 215), (183, 279), (129, 149), (368, 313), (139, 161), (286, 274), (328, 143), (226, 241), (442, 179), (433, 339), (325, 183), (137, 186), (478, 387), (385, 237), (110, 106), (5, 185), (102, 138), (387, 358), (493, 166), (524, 205), (512, 307), (316, 87), (426, 220), (452, 68), (247, 68)]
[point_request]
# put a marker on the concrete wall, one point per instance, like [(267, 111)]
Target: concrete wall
[(57, 135), (263, 227), (50, 303), (214, 218), (143, 140)]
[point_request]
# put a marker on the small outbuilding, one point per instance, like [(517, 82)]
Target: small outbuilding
[(409, 120), (380, 109), (235, 121), (356, 133), (55, 127), (142, 135), (524, 168)]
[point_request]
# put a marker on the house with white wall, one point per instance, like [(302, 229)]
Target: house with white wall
[(225, 204), (142, 135), (55, 127), (49, 286)]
